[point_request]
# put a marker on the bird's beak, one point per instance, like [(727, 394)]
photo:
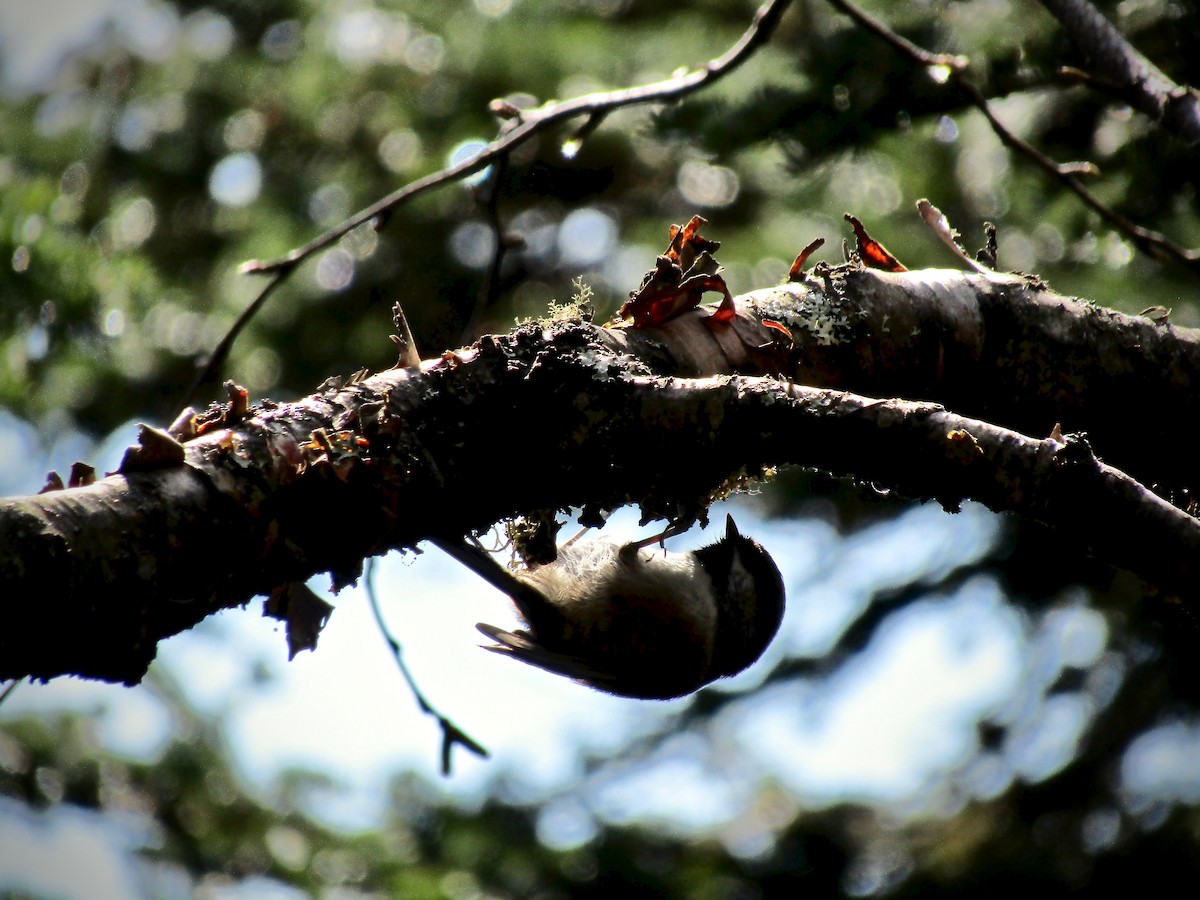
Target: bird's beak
[(731, 529)]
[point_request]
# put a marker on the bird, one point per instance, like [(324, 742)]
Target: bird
[(646, 625)]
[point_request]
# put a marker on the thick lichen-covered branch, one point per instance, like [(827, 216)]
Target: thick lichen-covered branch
[(568, 414), (1003, 348)]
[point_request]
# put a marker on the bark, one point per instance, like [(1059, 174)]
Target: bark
[(569, 414), (1008, 350)]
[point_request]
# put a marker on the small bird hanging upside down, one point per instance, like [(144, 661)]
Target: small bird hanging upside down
[(649, 625)]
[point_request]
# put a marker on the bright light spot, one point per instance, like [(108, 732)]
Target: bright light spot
[(876, 871), (362, 241), (946, 131), (1076, 635), (362, 36), (400, 150), (919, 543), (465, 151), (1164, 764), (183, 334), (1049, 243), (134, 223), (865, 183), (570, 149), (153, 33), (136, 127), (281, 41), (289, 846), (424, 54), (1018, 253), (707, 185), (986, 777), (472, 245), (1101, 830), (1043, 744), (1114, 131), (244, 130), (939, 73), (75, 180), (261, 369), (209, 35), (493, 9), (586, 236), (256, 887), (539, 230), (114, 323), (37, 343), (335, 271), (626, 265), (32, 228), (1086, 249), (329, 203), (60, 112), (236, 180), (21, 258), (565, 824), (1118, 253)]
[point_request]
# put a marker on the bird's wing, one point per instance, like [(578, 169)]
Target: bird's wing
[(521, 646)]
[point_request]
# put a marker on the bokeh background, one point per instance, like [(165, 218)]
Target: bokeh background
[(955, 704)]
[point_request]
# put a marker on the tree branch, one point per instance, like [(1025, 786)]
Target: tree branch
[(1153, 243), (560, 415), (1003, 348), (1124, 71)]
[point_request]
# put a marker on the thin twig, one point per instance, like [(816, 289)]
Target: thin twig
[(535, 121), (451, 733), (215, 360), (7, 692), (1153, 243)]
